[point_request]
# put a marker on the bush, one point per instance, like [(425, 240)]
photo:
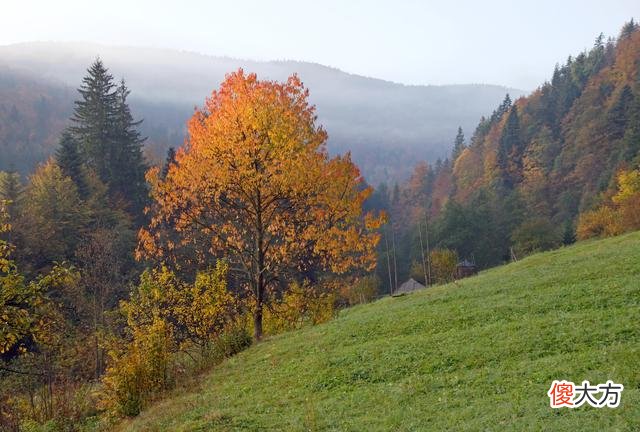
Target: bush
[(417, 271), (140, 371), (535, 235), (630, 212), (300, 304), (362, 290), (197, 313), (602, 222), (230, 343), (171, 321), (443, 265)]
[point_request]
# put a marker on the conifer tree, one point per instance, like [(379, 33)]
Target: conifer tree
[(70, 161), (128, 166), (619, 113), (395, 198), (569, 234), (171, 159), (458, 145), (94, 118), (107, 138), (628, 29), (510, 150), (503, 108)]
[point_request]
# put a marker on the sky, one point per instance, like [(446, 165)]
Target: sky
[(512, 43)]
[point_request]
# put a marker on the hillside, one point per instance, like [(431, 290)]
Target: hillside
[(476, 355), (387, 126), (533, 167)]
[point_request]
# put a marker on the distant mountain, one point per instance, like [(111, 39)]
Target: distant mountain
[(387, 126)]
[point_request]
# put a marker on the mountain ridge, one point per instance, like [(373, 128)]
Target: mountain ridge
[(387, 126)]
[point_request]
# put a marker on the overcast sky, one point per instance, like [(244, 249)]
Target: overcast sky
[(513, 43)]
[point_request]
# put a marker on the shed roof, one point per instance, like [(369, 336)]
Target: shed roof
[(408, 286)]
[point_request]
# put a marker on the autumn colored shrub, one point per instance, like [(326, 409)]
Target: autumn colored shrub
[(628, 199), (302, 303), (443, 265), (196, 312), (622, 214), (170, 320), (602, 222), (140, 371), (630, 212)]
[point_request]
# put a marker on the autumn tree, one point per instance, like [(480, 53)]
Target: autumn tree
[(255, 181), (52, 217), (10, 191)]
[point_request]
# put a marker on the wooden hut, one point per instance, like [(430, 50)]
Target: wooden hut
[(465, 268), (409, 286)]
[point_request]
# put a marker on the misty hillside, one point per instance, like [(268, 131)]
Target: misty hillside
[(387, 126)]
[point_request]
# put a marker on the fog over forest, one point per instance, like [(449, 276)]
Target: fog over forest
[(386, 126)]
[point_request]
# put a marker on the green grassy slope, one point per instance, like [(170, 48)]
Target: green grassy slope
[(479, 355)]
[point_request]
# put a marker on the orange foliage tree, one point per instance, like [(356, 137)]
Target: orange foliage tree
[(255, 181)]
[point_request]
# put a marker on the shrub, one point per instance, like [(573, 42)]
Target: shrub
[(197, 313), (536, 235), (302, 303), (231, 342), (141, 370), (362, 290), (630, 212), (602, 222), (170, 320), (443, 265)]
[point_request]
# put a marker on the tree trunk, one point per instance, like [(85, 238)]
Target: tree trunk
[(257, 322), (257, 313)]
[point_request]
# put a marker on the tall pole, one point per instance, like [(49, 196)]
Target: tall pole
[(424, 264), (395, 265), (426, 216), (386, 240)]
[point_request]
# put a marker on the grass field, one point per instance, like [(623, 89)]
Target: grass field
[(477, 355)]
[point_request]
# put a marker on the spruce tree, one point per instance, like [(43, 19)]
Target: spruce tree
[(94, 119), (510, 149), (619, 113), (569, 233), (107, 136), (127, 165), (70, 161), (171, 159), (628, 28), (458, 144), (503, 108)]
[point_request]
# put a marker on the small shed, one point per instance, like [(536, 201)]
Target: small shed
[(409, 286), (465, 268)]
